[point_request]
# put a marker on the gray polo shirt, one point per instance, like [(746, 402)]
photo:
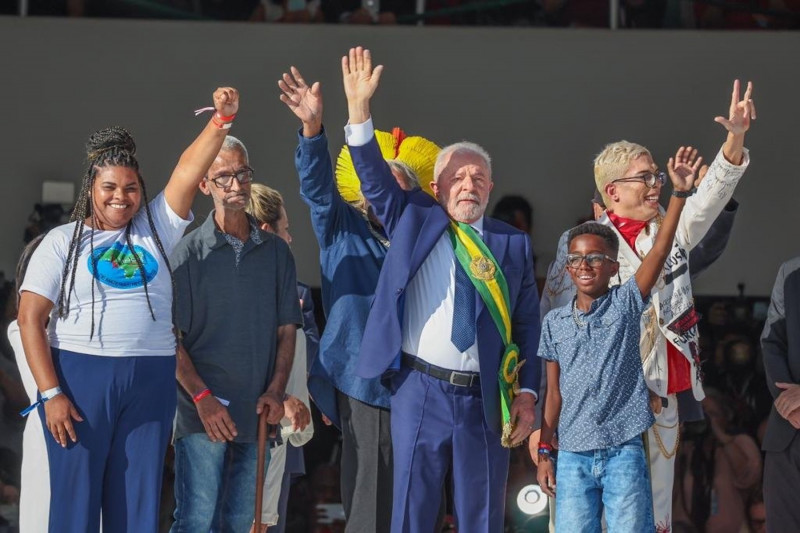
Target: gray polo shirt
[(604, 399), (229, 312)]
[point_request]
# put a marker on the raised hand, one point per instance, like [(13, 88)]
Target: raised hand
[(226, 101), (683, 168), (360, 82), (741, 111), (304, 101)]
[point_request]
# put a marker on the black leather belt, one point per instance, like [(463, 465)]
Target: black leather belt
[(454, 377)]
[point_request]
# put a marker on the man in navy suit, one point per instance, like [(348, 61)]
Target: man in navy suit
[(446, 407)]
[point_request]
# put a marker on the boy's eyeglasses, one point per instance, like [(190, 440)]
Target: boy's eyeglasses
[(593, 260), (650, 179), (224, 181)]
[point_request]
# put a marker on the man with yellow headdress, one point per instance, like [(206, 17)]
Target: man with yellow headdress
[(353, 245)]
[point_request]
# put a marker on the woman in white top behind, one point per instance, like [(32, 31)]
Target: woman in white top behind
[(34, 497)]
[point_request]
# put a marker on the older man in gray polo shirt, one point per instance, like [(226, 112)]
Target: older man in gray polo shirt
[(237, 309)]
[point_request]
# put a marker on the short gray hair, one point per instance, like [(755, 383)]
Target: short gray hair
[(232, 143), (463, 147), (412, 181)]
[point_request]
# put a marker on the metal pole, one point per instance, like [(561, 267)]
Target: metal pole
[(23, 8), (420, 11), (613, 14)]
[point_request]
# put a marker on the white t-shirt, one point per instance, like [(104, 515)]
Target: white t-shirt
[(123, 325)]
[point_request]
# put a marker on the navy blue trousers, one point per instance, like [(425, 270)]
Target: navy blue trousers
[(437, 427), (127, 405)]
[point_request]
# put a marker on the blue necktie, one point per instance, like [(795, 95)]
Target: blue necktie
[(463, 334)]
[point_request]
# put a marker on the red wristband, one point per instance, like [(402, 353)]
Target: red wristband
[(229, 118), (221, 125), (200, 395), (545, 446)]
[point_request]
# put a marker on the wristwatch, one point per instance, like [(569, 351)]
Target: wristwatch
[(684, 194)]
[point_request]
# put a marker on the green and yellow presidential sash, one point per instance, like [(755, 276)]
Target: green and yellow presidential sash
[(490, 282)]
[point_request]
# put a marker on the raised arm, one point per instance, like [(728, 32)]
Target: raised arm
[(740, 113), (682, 172), (377, 182), (304, 101), (724, 172), (710, 248), (311, 159), (195, 160)]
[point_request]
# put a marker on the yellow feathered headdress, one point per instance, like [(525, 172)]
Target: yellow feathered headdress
[(418, 153)]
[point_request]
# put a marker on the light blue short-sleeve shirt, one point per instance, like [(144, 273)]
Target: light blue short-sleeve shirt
[(604, 396)]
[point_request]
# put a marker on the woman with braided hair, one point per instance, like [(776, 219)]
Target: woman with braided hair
[(95, 317)]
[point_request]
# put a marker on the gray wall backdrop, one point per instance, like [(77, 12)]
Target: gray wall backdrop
[(543, 102)]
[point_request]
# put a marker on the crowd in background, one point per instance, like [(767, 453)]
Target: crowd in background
[(703, 14)]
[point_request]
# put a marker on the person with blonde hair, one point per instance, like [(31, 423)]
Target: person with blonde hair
[(287, 460), (630, 184)]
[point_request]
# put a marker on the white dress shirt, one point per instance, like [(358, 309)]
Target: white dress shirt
[(428, 312)]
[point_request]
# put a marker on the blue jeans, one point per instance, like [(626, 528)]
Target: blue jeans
[(215, 485), (615, 478)]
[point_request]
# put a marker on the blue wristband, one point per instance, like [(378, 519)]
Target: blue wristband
[(43, 397)]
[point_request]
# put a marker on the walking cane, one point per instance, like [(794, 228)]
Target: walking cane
[(262, 453)]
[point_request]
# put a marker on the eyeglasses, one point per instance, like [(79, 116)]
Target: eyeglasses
[(223, 181), (593, 260), (650, 179)]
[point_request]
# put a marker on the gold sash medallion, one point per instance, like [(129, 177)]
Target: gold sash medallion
[(482, 268)]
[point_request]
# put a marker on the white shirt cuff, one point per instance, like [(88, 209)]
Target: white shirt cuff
[(359, 134), (535, 396)]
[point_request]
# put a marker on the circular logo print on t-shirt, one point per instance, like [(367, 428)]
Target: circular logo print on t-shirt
[(117, 266)]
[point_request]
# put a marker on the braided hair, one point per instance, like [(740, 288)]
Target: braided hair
[(109, 147)]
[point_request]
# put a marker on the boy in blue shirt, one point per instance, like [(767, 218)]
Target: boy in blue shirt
[(596, 393)]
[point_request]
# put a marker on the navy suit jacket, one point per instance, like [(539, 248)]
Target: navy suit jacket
[(414, 222)]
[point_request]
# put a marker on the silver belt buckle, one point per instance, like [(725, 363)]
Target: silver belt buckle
[(454, 375)]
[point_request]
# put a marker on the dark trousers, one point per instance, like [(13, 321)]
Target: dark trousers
[(438, 427), (781, 481), (366, 467), (127, 405)]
